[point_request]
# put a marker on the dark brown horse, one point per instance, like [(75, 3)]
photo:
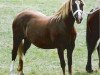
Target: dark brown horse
[(47, 32), (93, 36)]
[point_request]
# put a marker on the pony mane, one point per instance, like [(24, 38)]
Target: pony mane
[(63, 11)]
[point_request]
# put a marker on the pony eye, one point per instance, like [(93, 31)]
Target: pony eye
[(73, 4), (81, 4)]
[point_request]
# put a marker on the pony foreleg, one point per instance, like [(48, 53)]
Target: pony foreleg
[(70, 49), (69, 57), (12, 68), (62, 61)]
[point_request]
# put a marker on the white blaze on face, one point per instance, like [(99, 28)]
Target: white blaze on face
[(12, 68), (78, 10)]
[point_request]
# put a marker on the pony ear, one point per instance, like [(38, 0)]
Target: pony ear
[(83, 2)]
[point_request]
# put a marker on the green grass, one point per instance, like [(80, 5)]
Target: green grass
[(39, 61)]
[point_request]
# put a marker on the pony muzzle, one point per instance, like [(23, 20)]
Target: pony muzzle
[(78, 16)]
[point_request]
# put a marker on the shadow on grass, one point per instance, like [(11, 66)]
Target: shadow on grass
[(85, 73)]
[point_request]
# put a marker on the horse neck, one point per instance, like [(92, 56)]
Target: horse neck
[(69, 20)]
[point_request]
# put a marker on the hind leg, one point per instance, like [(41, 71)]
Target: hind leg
[(98, 49), (20, 53), (27, 45), (89, 64), (91, 43), (22, 50), (16, 43)]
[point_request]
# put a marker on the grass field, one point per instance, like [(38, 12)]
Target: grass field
[(39, 61)]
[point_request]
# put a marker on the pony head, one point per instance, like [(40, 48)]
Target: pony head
[(77, 9)]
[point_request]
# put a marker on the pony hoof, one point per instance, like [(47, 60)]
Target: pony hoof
[(70, 73), (89, 71), (12, 73), (20, 73)]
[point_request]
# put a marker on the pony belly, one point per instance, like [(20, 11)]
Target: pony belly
[(43, 43)]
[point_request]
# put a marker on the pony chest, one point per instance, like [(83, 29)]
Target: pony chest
[(63, 36)]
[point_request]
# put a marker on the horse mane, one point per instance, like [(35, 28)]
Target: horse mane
[(63, 11)]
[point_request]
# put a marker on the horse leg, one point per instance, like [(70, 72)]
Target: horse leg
[(89, 65), (16, 43), (20, 53), (62, 61), (98, 49), (91, 43), (22, 50), (70, 49), (27, 45)]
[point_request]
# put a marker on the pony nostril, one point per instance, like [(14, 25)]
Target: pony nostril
[(79, 16)]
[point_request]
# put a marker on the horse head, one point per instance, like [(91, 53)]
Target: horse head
[(77, 9)]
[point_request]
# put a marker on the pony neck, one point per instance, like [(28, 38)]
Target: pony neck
[(64, 14), (69, 19)]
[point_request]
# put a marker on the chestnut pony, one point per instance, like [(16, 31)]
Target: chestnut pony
[(93, 36), (47, 32)]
